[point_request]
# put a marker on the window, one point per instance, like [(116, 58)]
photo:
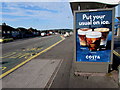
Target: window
[(8, 31), (12, 31), (4, 32)]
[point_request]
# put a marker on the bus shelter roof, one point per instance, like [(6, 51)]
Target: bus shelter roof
[(93, 4)]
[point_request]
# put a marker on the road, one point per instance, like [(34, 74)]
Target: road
[(65, 52), (54, 69), (14, 53), (39, 70)]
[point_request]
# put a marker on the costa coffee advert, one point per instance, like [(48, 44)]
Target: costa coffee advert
[(93, 35)]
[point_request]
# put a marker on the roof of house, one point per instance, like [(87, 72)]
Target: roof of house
[(6, 27), (21, 29)]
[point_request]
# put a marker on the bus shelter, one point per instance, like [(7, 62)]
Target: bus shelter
[(93, 34)]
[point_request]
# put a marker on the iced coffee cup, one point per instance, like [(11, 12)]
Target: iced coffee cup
[(93, 40), (105, 32), (82, 35)]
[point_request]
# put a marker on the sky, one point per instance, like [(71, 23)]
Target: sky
[(118, 11), (38, 15)]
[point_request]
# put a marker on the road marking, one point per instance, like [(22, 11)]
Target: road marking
[(8, 55), (19, 65), (62, 37), (116, 53), (3, 68), (20, 55), (39, 48), (16, 56), (24, 55), (33, 49)]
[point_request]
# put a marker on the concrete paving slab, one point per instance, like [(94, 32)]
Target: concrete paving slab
[(34, 74), (92, 80)]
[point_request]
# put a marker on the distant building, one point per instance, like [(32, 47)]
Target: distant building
[(7, 31), (23, 33), (33, 32)]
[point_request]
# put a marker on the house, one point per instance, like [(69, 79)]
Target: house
[(23, 33), (6, 30)]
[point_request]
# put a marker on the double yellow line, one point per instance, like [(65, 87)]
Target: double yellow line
[(19, 65)]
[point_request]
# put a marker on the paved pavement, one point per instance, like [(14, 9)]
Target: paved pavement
[(93, 80), (116, 55), (34, 74)]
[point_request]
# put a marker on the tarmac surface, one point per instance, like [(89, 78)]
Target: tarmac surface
[(54, 69), (17, 52)]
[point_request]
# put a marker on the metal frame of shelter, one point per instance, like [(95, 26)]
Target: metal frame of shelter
[(82, 6)]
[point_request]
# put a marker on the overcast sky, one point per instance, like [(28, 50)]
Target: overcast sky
[(39, 15)]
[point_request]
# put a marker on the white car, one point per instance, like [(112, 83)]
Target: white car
[(56, 33), (42, 34), (66, 34), (50, 32), (71, 33)]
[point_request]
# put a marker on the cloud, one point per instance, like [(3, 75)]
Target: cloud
[(34, 1), (14, 19), (48, 14), (34, 10)]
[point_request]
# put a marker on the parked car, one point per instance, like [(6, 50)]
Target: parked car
[(71, 33), (3, 39), (43, 34), (66, 34), (56, 33), (50, 33)]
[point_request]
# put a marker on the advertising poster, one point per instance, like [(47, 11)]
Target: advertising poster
[(93, 35)]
